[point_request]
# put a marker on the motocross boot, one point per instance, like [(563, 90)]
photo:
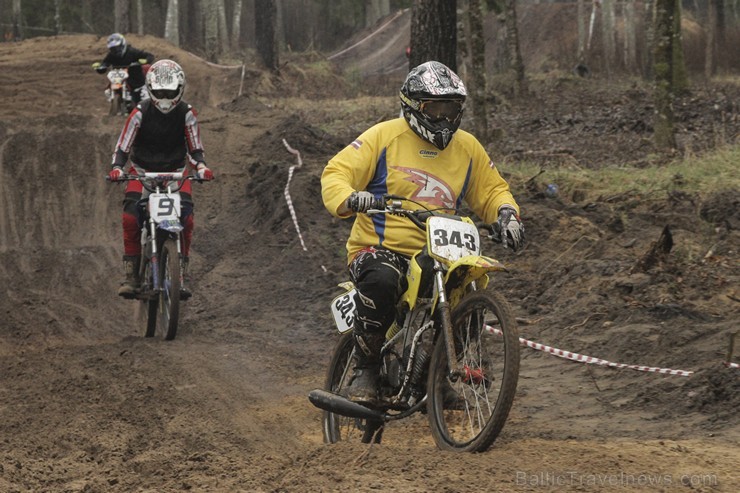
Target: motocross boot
[(364, 385), (130, 286), (185, 293)]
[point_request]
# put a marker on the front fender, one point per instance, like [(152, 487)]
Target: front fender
[(170, 225), (467, 270)]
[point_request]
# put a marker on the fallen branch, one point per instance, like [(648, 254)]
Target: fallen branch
[(585, 321), (657, 253)]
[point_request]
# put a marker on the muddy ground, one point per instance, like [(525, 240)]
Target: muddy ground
[(89, 405)]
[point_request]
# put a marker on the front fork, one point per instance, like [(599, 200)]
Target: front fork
[(445, 317), (154, 260), (155, 256)]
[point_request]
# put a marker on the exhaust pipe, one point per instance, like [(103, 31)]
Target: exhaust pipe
[(337, 404)]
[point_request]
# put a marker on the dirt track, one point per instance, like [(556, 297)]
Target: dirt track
[(88, 405)]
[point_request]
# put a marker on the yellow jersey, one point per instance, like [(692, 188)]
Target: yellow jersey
[(390, 158)]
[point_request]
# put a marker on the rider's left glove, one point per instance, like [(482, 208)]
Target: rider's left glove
[(204, 172), (115, 174), (509, 227), (360, 201)]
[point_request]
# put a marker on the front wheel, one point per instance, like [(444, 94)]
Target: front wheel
[(169, 284), (338, 377), (467, 413), (152, 301), (115, 103)]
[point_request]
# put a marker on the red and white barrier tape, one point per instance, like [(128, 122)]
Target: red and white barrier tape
[(217, 65), (598, 361), (287, 194)]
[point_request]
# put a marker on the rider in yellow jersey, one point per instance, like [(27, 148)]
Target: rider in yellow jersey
[(424, 157)]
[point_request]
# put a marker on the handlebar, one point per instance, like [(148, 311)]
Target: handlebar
[(158, 179), (139, 62), (393, 204)]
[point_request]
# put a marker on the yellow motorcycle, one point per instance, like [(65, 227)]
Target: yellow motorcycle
[(454, 355)]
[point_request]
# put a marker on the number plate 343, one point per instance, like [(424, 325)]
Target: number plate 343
[(343, 309)]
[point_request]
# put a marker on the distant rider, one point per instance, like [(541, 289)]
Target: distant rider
[(121, 54), (161, 134), (423, 156)]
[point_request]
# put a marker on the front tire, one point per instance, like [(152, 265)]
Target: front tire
[(169, 295), (335, 426), (466, 415), (152, 301), (115, 103)]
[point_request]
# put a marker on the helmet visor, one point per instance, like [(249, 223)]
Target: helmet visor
[(165, 93), (437, 110)]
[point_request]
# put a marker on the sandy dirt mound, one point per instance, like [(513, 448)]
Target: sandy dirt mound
[(88, 405)]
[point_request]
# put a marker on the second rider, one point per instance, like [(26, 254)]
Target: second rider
[(424, 157), (160, 135)]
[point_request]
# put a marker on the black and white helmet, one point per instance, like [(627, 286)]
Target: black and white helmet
[(433, 101), (116, 43), (165, 83)]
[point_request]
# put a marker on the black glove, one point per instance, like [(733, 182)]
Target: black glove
[(101, 69), (360, 201), (508, 229)]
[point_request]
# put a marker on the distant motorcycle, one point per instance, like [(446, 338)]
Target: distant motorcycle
[(452, 354), (118, 92), (160, 269)]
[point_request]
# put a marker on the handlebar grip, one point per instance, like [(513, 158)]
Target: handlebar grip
[(379, 203)]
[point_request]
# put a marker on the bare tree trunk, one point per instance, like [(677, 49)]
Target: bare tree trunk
[(477, 44), (140, 17), (280, 31), (236, 25), (17, 20), (464, 47), (710, 49), (122, 16), (630, 36), (57, 16), (608, 35), (172, 23), (194, 36), (679, 77), (209, 10), (223, 29), (515, 55), (265, 18), (434, 32), (649, 18), (591, 22), (663, 61), (581, 31)]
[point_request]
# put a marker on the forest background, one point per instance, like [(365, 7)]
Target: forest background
[(613, 36)]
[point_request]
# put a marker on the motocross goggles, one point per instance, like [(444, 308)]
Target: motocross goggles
[(437, 110), (165, 93)]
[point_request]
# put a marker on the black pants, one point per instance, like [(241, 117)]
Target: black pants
[(380, 277)]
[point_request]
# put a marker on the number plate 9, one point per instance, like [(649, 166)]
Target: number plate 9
[(163, 207)]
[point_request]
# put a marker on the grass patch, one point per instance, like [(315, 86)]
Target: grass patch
[(703, 175)]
